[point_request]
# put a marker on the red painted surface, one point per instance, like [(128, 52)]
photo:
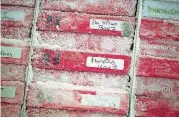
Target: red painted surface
[(160, 48), (165, 29), (159, 88), (27, 3), (18, 99), (88, 42), (156, 107), (22, 60), (67, 96), (76, 61), (15, 32), (44, 112), (27, 22), (81, 78), (12, 72), (80, 23), (10, 110), (153, 67), (113, 7)]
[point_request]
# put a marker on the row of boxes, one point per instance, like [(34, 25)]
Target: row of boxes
[(14, 59), (82, 58), (81, 61), (157, 69), (16, 22), (88, 54)]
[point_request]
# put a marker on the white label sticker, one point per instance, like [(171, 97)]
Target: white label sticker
[(12, 15), (8, 92), (100, 101), (11, 52), (108, 63), (106, 24)]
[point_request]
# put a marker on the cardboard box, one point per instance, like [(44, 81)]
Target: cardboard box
[(160, 48), (12, 92), (27, 3), (86, 23), (147, 107), (12, 72), (159, 29), (20, 33), (154, 67), (23, 19), (67, 96), (80, 61), (86, 42), (108, 7), (159, 88), (44, 112), (10, 110), (81, 78)]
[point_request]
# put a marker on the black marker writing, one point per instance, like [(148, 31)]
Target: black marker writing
[(102, 63), (104, 24), (46, 58), (49, 19), (5, 54), (56, 59)]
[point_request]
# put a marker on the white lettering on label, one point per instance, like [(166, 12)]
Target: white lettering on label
[(11, 52), (108, 63), (100, 101), (106, 24), (8, 92), (161, 88), (158, 46)]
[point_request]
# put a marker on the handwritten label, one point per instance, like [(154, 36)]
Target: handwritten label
[(11, 52), (100, 101), (12, 15), (161, 9), (106, 24), (8, 92), (108, 63)]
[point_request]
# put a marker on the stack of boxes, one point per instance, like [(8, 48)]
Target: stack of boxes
[(75, 58), (81, 58), (157, 71), (16, 24)]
